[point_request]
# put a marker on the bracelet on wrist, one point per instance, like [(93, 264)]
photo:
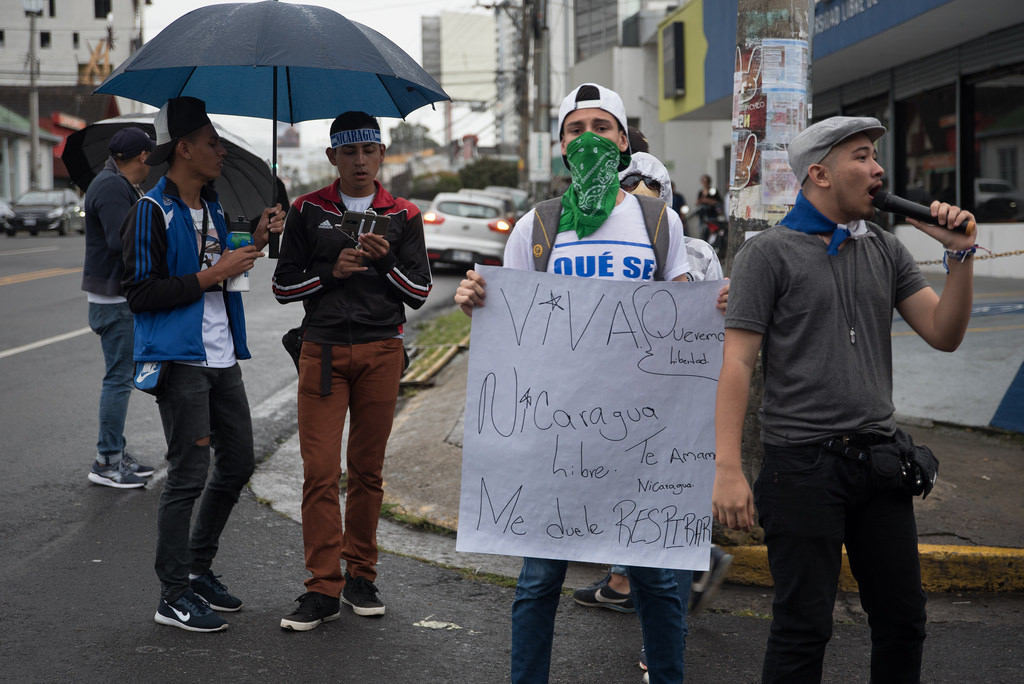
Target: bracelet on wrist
[(960, 256)]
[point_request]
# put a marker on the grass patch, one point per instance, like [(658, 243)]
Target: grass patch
[(395, 513), (449, 328)]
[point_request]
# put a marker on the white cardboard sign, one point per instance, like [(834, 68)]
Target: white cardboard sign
[(589, 430)]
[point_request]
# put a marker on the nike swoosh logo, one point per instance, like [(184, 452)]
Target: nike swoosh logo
[(147, 370), (601, 599), (181, 616)]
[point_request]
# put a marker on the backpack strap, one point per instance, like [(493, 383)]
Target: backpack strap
[(545, 228), (655, 220)]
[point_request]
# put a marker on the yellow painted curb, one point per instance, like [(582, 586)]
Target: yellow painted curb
[(943, 568)]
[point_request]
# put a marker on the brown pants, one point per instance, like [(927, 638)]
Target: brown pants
[(364, 381)]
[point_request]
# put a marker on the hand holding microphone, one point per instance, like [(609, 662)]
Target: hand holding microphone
[(886, 201)]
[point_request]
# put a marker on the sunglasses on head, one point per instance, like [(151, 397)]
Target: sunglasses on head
[(630, 182)]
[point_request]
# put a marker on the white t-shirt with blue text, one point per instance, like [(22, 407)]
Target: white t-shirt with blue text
[(619, 250)]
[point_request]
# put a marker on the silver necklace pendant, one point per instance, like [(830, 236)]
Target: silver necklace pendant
[(853, 336)]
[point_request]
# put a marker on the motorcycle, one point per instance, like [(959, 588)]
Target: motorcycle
[(714, 228)]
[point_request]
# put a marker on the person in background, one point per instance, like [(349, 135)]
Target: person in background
[(108, 200), (679, 203), (187, 322), (351, 362), (709, 204)]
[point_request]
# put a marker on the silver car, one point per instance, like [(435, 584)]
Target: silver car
[(463, 229)]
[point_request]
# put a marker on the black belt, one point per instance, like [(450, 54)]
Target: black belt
[(855, 446)]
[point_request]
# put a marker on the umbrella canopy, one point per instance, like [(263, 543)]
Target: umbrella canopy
[(243, 186), (275, 60)]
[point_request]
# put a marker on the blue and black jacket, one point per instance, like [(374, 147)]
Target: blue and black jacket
[(161, 260)]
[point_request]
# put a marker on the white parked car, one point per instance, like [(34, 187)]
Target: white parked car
[(463, 230), (520, 197), (505, 198), (990, 188)]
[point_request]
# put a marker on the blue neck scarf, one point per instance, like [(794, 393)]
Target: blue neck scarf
[(807, 219)]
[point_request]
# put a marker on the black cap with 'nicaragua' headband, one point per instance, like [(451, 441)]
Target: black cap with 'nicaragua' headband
[(354, 128), (179, 117)]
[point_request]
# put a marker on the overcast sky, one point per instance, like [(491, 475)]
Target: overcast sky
[(399, 20)]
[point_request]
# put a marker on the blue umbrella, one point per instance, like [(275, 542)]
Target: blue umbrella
[(275, 60)]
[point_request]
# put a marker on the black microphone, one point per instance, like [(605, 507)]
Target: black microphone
[(886, 201)]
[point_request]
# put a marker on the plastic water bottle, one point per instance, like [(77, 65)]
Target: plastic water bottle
[(236, 239)]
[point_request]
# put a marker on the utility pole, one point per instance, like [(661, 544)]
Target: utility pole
[(33, 9), (522, 83), (540, 138), (772, 74)]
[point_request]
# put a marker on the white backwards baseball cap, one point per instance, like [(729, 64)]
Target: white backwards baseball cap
[(592, 96)]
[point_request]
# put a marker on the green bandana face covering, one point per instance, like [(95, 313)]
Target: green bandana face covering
[(594, 165)]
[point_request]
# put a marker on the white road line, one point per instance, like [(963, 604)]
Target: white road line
[(43, 343), (33, 250)]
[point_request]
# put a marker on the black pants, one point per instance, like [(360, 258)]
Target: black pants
[(198, 403), (811, 502)]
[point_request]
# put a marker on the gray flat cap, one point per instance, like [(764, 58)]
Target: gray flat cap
[(815, 142)]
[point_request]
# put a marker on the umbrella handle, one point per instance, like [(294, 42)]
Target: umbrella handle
[(275, 240)]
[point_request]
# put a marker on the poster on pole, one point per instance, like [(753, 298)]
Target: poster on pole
[(589, 429)]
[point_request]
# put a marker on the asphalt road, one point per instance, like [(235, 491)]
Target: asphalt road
[(78, 589)]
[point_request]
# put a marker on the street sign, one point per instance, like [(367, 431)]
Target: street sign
[(540, 157)]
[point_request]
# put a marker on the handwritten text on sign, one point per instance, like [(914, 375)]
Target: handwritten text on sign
[(589, 428)]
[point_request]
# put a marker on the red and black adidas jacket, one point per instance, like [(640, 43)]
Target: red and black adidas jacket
[(369, 305)]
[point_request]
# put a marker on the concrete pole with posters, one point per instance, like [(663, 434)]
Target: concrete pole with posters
[(771, 104), (33, 10)]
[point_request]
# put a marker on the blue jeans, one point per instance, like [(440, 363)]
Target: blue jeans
[(655, 597), (202, 409), (114, 324), (684, 581), (811, 502)]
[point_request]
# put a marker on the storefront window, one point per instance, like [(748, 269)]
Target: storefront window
[(998, 145), (928, 125)]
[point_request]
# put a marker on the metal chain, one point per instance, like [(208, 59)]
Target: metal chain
[(977, 257)]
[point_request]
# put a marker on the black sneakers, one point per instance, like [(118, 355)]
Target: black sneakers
[(191, 613), (361, 594), (706, 583), (313, 609), (600, 595), (209, 588)]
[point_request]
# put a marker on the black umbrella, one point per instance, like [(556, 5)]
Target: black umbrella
[(243, 186), (275, 60)]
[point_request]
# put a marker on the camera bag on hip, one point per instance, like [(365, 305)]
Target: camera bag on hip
[(151, 376), (903, 465), (292, 341)]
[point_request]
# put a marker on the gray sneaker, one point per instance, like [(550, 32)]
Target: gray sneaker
[(136, 467), (118, 475)]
